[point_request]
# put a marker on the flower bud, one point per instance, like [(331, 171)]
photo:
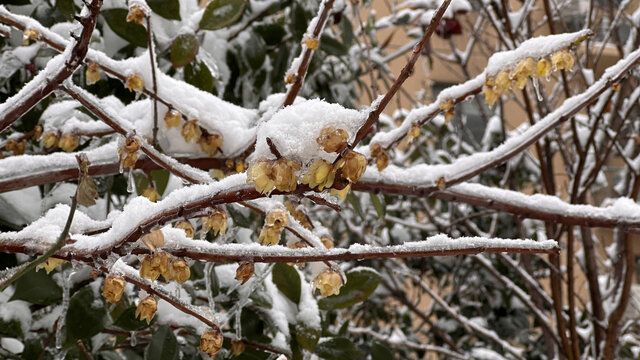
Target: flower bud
[(151, 193), (68, 142), (333, 140), (136, 14), (312, 43), (153, 240), (277, 218), (186, 226), (240, 166), (172, 119), (210, 143), (113, 288), (284, 174), (327, 241), (211, 342), (441, 183), (134, 82), (237, 347), (30, 34), (17, 147), (92, 75), (37, 132), (269, 235), (354, 165), (290, 78), (146, 309), (180, 271), (216, 221), (244, 271), (260, 175), (543, 68), (320, 174), (147, 269), (328, 282), (446, 104), (191, 131), (615, 87), (50, 264), (522, 71), (414, 132), (132, 145)]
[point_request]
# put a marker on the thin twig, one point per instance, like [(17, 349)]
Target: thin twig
[(154, 140)]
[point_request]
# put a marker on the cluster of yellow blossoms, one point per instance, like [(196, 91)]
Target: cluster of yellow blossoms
[(276, 220), (494, 87), (328, 282), (282, 174), (193, 133), (380, 155), (129, 153), (66, 142)]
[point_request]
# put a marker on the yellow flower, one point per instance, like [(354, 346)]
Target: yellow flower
[(312, 43), (503, 82), (136, 14), (50, 264), (382, 161), (237, 347), (240, 166), (68, 142), (522, 71), (328, 282), (414, 132), (285, 174), (17, 147), (147, 268), (490, 96), (92, 75), (151, 193), (290, 78), (134, 82), (562, 60), (446, 104), (245, 271), (179, 271), (342, 194), (327, 241), (320, 174), (172, 119), (449, 114), (615, 87), (30, 34), (277, 218), (209, 143), (186, 226), (441, 183), (49, 140), (332, 139), (211, 342), (216, 221), (191, 131), (543, 68), (269, 235), (113, 288), (153, 240), (146, 309), (130, 161), (37, 132), (353, 166), (132, 145), (260, 175)]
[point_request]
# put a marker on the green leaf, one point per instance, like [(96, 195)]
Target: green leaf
[(199, 75), (332, 46), (306, 336), (299, 20), (163, 346), (338, 349), (86, 315), (255, 51), (238, 218), (355, 202), (287, 280), (16, 2), (130, 31), (66, 8), (128, 321), (37, 287), (222, 13), (11, 328), (347, 33), (360, 285), (184, 49), (168, 9), (377, 204), (380, 352), (272, 34)]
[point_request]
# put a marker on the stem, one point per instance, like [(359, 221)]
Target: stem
[(155, 84)]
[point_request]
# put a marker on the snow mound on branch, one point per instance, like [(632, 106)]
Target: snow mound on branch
[(294, 129)]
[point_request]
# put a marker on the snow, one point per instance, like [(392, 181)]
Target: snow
[(12, 345), (16, 310)]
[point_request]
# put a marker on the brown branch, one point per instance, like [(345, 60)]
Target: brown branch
[(29, 96), (326, 6), (84, 349), (154, 139)]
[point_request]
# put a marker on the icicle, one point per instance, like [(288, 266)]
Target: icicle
[(130, 184), (121, 166), (536, 86), (238, 325), (66, 284), (61, 355), (208, 268), (133, 339)]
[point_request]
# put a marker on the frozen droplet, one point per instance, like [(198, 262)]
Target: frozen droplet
[(133, 339), (536, 86), (66, 286), (121, 167), (130, 184)]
